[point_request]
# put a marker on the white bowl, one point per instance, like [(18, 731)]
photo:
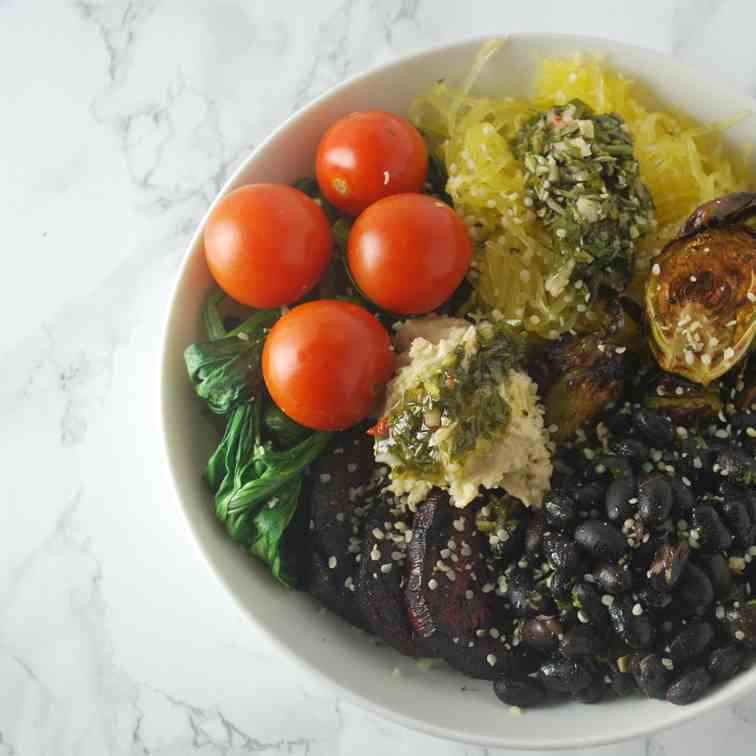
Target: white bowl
[(439, 701)]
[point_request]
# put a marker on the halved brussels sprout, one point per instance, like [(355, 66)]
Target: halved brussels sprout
[(701, 294), (687, 404), (722, 211), (589, 371)]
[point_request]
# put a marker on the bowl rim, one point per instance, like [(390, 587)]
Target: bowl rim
[(682, 714)]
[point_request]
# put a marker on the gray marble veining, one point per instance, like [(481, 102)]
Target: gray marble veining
[(121, 120)]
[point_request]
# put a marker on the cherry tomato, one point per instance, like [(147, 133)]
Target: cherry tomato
[(326, 363), (365, 156), (267, 245), (409, 253)]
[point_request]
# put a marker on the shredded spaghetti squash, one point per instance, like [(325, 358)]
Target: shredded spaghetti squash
[(683, 164)]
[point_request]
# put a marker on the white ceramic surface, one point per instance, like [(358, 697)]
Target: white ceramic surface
[(439, 701)]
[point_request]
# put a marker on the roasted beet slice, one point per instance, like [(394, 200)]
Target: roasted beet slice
[(450, 590), (380, 583), (341, 489)]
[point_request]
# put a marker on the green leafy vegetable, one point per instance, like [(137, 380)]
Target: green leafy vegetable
[(284, 430), (212, 317), (257, 488), (226, 370)]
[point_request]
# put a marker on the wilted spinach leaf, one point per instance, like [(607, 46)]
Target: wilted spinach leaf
[(226, 370), (257, 488), (283, 429)]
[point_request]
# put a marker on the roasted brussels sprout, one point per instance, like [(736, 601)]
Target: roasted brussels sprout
[(732, 208), (590, 372), (687, 404), (701, 293)]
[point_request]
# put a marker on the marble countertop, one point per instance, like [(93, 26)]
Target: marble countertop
[(120, 120)]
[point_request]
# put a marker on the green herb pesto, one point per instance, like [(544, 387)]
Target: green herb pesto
[(583, 181), (463, 393)]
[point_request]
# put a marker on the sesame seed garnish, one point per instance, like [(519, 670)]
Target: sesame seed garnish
[(459, 524), (607, 599), (491, 659), (494, 633), (667, 663), (375, 554), (656, 269), (469, 594), (751, 296), (433, 584), (637, 610), (325, 478), (739, 635), (332, 562), (386, 568)]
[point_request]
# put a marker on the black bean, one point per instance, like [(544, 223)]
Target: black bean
[(737, 466), (695, 460), (613, 578), (561, 585), (654, 427), (653, 599), (683, 497), (712, 534), (559, 510), (524, 693), (564, 675), (588, 599), (618, 467), (655, 499), (617, 500), (623, 683), (690, 687), (600, 539), (651, 676), (694, 590), (593, 693), (741, 591), (534, 531), (691, 641), (741, 622), (641, 558), (525, 597), (620, 423), (590, 496), (725, 662), (716, 568), (738, 520), (634, 629), (743, 421), (582, 640), (561, 552), (525, 660), (632, 448), (542, 633), (668, 565)]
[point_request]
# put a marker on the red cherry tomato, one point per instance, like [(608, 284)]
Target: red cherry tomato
[(325, 364), (409, 253), (366, 156), (267, 245)]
